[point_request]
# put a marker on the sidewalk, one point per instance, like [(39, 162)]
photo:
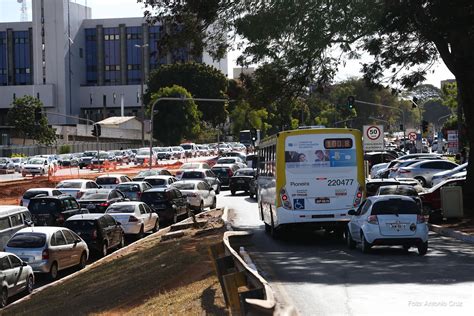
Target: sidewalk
[(462, 229)]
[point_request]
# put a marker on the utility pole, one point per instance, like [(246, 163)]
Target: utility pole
[(142, 107)]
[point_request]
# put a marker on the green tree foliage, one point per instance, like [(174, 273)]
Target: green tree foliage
[(245, 117), (174, 121), (22, 117), (202, 81)]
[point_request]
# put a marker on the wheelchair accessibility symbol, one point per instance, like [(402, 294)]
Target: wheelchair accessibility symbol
[(299, 204)]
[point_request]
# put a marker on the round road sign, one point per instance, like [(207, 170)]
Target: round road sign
[(412, 136), (373, 133)]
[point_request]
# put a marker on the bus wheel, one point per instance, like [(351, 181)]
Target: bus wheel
[(267, 228)]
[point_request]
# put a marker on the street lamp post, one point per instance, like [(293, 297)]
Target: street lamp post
[(152, 112), (142, 82)]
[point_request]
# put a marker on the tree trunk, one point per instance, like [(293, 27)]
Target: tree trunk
[(466, 96)]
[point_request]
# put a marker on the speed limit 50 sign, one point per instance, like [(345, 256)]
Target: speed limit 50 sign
[(373, 137)]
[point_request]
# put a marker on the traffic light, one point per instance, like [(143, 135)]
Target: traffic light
[(96, 130), (253, 134), (424, 126), (38, 115), (350, 102)]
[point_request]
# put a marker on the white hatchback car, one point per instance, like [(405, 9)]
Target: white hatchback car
[(136, 218), (199, 194), (76, 187), (388, 220), (16, 276), (110, 181)]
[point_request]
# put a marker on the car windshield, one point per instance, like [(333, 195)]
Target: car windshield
[(395, 206), (16, 160), (155, 182), (33, 193), (27, 240), (398, 190), (80, 225), (192, 175), (121, 209), (245, 173), (69, 185), (150, 197), (187, 146), (184, 186), (177, 148), (128, 187), (35, 161), (220, 171), (95, 196), (44, 206), (106, 180)]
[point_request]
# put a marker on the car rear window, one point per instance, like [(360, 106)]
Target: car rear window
[(106, 180), (395, 206), (220, 171), (44, 206), (27, 240), (121, 209), (69, 185), (184, 186), (95, 196), (190, 166), (226, 161), (192, 175), (80, 225), (30, 194), (128, 188), (407, 191), (150, 197), (245, 173), (156, 181)]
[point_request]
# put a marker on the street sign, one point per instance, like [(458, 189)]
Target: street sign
[(412, 136), (453, 141), (373, 137)]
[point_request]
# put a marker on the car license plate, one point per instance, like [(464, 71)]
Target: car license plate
[(397, 226), (240, 181), (91, 206)]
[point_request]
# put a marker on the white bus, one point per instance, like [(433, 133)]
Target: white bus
[(310, 177)]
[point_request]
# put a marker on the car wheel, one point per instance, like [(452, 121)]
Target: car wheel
[(423, 249), (141, 233), (365, 244), (349, 241), (122, 241), (156, 227), (103, 252), (421, 180), (53, 272), (406, 248), (29, 285), (214, 204), (4, 298), (83, 261)]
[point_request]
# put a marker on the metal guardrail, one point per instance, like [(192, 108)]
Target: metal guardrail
[(246, 292)]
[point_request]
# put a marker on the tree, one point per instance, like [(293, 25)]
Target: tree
[(22, 117), (404, 38), (202, 81), (174, 121), (244, 117)]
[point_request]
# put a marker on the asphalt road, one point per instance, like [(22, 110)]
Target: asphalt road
[(319, 275)]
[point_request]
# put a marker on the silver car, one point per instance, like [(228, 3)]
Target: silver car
[(16, 276), (49, 249), (443, 175), (424, 170)]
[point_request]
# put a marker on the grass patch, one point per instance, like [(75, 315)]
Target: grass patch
[(155, 277)]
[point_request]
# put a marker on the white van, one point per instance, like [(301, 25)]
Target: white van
[(190, 149), (12, 219)]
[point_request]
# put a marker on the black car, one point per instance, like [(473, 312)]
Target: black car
[(101, 232), (86, 159), (104, 158), (240, 181), (152, 172), (53, 210), (168, 203), (224, 173), (97, 200)]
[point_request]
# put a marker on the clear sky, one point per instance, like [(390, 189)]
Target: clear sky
[(10, 11)]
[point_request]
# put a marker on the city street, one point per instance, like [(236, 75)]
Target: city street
[(319, 275)]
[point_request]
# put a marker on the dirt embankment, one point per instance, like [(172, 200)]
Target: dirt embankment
[(151, 278)]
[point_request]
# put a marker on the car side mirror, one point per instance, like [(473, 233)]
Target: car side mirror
[(23, 263), (351, 212), (118, 224), (77, 241)]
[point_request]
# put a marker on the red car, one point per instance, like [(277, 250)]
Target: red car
[(432, 197)]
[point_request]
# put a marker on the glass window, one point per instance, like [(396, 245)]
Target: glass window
[(395, 206), (4, 223), (69, 237), (27, 240), (365, 208), (15, 261), (16, 220), (58, 239), (4, 264), (142, 209)]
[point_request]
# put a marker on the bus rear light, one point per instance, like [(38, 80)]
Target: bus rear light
[(284, 199), (358, 197)]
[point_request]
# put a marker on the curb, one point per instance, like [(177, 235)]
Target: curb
[(448, 232)]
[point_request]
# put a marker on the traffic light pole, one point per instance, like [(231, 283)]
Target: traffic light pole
[(152, 112), (79, 119)]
